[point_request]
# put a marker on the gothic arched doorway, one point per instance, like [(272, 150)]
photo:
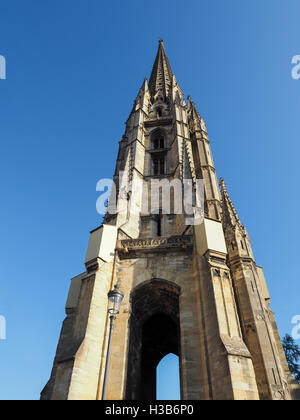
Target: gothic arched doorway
[(154, 333)]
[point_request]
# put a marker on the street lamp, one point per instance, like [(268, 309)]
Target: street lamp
[(115, 298)]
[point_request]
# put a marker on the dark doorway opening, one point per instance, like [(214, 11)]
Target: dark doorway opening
[(159, 338), (154, 333)]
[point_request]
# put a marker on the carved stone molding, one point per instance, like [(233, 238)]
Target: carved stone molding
[(158, 122), (207, 167), (279, 395), (153, 244), (214, 261), (217, 272)]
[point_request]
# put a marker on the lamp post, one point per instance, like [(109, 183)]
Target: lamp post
[(115, 298)]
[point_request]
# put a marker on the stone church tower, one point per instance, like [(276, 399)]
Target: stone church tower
[(189, 289)]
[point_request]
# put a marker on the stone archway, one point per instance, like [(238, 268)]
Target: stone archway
[(154, 333)]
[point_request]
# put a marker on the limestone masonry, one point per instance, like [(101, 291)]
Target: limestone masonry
[(192, 290)]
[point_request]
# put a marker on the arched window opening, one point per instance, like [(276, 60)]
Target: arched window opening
[(158, 142), (168, 378), (158, 165)]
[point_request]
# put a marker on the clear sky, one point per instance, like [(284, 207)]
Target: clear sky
[(73, 71)]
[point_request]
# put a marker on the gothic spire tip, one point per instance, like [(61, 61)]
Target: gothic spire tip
[(161, 75)]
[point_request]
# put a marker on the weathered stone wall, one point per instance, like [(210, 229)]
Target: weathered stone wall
[(211, 298), (80, 351)]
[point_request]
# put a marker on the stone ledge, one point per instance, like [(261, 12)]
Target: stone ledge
[(156, 244), (154, 123), (235, 347)]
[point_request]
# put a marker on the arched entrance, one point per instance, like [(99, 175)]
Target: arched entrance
[(154, 333)]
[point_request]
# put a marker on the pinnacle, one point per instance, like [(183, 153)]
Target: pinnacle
[(161, 76), (223, 185), (192, 107), (195, 118), (230, 215)]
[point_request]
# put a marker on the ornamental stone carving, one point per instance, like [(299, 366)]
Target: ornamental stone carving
[(157, 243)]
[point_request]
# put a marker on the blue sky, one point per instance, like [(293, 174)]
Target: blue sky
[(73, 71)]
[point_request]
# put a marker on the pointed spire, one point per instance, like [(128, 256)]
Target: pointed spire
[(161, 76), (230, 216)]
